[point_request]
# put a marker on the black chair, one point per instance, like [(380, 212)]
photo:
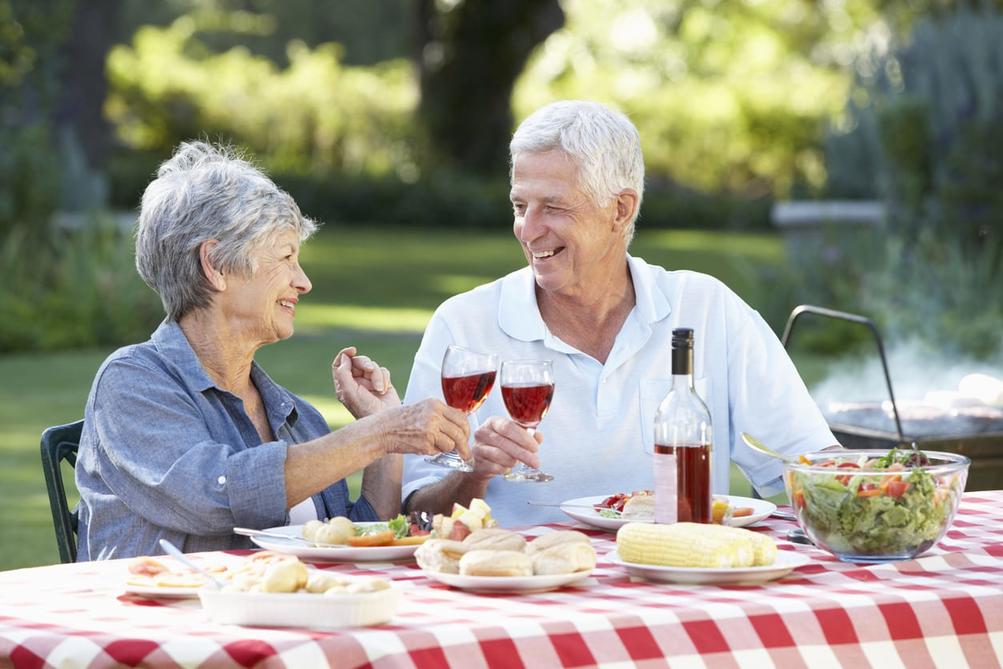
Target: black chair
[(60, 443)]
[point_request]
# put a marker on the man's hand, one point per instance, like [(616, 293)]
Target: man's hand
[(362, 385), (499, 443), (426, 428)]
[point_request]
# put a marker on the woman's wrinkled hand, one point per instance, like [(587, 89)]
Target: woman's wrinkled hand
[(425, 428), (499, 444), (361, 385)]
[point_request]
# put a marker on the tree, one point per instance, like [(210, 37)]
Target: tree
[(470, 56), (82, 81)]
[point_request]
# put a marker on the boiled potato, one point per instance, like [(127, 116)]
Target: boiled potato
[(311, 528), (285, 576)]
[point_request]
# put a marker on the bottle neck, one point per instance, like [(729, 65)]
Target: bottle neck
[(682, 366)]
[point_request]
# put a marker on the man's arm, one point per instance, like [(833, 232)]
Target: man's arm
[(439, 497)]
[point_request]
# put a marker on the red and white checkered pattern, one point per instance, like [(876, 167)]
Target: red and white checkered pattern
[(945, 609)]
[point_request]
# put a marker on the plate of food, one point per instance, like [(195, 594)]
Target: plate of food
[(150, 577), (498, 560), (785, 563), (341, 540), (355, 542), (512, 584), (693, 553), (610, 512)]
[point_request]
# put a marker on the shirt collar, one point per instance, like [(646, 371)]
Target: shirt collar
[(519, 315), (172, 343)]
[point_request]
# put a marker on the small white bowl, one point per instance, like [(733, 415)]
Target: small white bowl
[(298, 609)]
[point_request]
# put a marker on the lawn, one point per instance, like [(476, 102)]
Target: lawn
[(374, 289)]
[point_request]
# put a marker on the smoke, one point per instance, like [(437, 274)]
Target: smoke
[(915, 369)]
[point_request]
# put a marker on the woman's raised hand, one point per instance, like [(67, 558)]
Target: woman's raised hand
[(362, 386)]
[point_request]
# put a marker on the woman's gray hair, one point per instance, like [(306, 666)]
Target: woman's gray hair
[(207, 192), (603, 142)]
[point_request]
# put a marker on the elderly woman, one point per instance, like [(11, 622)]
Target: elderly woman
[(185, 436)]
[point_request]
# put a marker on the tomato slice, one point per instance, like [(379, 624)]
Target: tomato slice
[(897, 488), (845, 479)]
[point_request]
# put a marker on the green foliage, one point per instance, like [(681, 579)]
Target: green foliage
[(314, 115), (30, 36), (726, 95), (80, 291)]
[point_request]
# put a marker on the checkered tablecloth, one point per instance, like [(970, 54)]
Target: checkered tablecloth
[(945, 609)]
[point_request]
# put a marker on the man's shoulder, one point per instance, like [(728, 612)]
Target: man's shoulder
[(685, 279)]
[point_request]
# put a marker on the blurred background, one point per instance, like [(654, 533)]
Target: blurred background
[(838, 152)]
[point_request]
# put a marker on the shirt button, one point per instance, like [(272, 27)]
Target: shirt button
[(221, 480)]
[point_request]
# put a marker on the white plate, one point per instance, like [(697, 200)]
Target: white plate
[(786, 562), (300, 548), (580, 509), (161, 592), (514, 584), (300, 609)]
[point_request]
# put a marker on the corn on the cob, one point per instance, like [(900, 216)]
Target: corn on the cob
[(764, 548), (692, 545)]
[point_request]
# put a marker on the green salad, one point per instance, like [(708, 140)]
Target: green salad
[(872, 507)]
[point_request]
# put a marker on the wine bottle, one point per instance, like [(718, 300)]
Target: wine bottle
[(682, 443)]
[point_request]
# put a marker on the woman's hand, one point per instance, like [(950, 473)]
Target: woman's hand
[(426, 428), (499, 443), (362, 385)]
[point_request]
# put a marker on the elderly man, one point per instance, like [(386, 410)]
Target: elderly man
[(605, 319)]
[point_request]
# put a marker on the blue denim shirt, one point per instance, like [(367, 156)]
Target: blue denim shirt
[(166, 454)]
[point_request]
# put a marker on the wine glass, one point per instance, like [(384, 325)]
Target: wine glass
[(527, 388), (467, 378)]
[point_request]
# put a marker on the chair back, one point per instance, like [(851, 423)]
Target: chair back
[(60, 443)]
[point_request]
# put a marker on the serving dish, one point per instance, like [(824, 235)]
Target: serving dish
[(876, 505), (785, 563), (319, 611), (509, 584)]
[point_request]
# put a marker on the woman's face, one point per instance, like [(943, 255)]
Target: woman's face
[(264, 304)]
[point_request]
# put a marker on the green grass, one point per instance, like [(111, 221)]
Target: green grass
[(373, 289)]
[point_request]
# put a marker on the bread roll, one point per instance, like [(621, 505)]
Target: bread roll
[(639, 507), (564, 558), (545, 541), (440, 555), (495, 539), (496, 563)]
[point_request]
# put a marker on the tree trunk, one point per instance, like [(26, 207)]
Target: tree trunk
[(470, 57), (83, 82)]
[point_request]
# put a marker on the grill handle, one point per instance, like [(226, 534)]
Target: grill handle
[(851, 318)]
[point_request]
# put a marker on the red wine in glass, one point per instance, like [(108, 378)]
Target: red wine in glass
[(467, 378), (527, 389), (467, 393), (528, 403)]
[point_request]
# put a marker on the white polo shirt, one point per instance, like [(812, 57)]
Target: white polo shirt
[(599, 431)]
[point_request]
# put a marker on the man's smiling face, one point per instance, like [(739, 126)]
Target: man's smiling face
[(570, 243)]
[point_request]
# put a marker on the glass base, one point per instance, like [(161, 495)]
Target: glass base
[(452, 461), (523, 473)]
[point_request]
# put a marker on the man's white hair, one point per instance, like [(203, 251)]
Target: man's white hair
[(603, 142)]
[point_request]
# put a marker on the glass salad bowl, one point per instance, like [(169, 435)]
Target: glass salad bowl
[(876, 505)]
